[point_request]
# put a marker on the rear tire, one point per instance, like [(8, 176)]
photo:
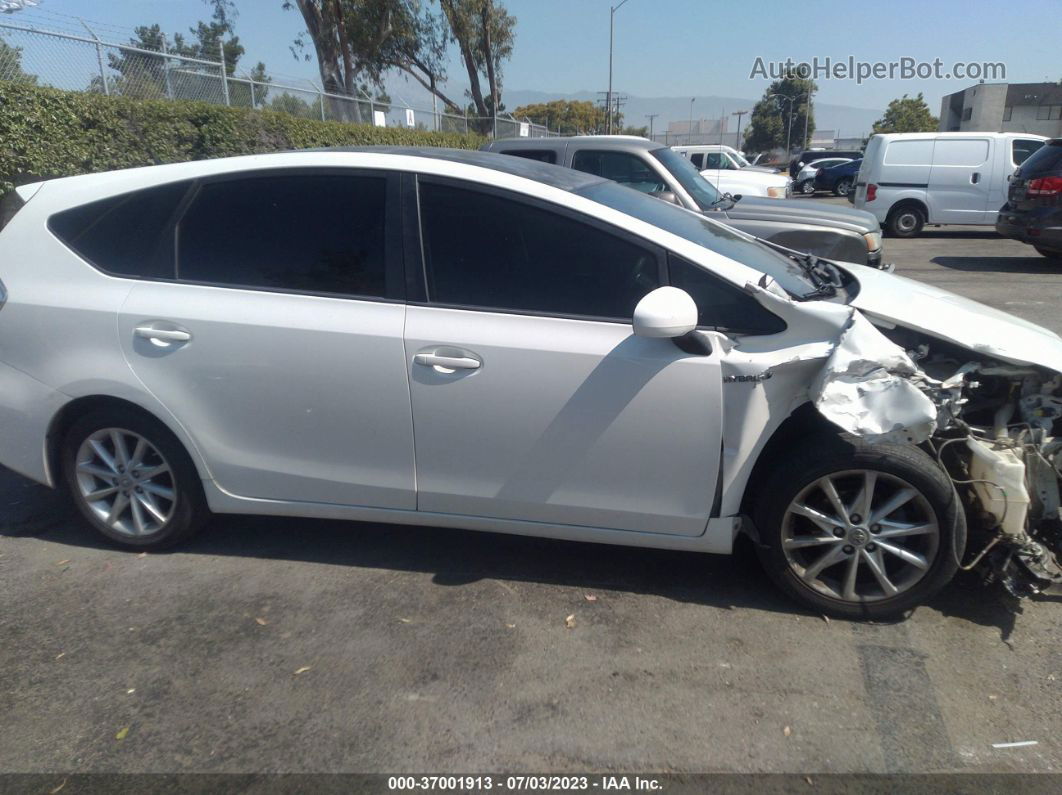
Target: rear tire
[(865, 561), (807, 187), (132, 480), (905, 221), (843, 187), (1046, 252)]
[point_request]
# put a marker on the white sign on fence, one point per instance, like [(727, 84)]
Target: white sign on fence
[(379, 118), (525, 130), (410, 122)]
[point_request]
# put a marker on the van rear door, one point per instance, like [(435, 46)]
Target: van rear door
[(960, 181)]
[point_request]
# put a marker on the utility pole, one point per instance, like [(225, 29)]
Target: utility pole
[(807, 112), (651, 116), (611, 36), (739, 114), (689, 136)]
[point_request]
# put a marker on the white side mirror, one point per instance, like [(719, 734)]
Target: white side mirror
[(666, 312)]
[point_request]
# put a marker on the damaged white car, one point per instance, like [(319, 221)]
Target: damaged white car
[(473, 340)]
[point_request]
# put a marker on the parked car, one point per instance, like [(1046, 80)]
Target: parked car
[(1033, 212), (697, 154), (909, 180), (839, 178), (832, 232), (467, 340), (811, 155), (805, 178)]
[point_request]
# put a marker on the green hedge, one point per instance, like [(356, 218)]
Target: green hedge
[(46, 133)]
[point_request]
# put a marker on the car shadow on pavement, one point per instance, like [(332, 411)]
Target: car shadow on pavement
[(1035, 264), (461, 557)]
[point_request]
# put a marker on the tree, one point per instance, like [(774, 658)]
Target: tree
[(568, 117), (145, 76), (907, 114), (641, 132), (11, 65), (774, 119), (483, 31)]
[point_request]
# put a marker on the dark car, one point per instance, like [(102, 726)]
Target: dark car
[(1033, 212), (837, 233), (839, 178), (811, 155)]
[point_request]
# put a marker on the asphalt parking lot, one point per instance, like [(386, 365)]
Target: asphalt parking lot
[(294, 645)]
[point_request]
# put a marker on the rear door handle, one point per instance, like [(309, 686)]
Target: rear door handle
[(162, 334), (447, 362), (975, 178)]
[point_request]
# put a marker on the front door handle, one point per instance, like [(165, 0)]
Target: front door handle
[(162, 334), (975, 178), (447, 362)]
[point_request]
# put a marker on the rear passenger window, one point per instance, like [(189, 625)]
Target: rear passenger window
[(541, 155), (697, 158), (312, 233), (720, 305), (621, 167), (484, 251), (126, 235)]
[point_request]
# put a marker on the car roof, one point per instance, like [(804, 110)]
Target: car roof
[(624, 142), (555, 176)]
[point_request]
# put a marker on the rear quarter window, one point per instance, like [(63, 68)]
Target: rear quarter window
[(126, 235), (10, 203)]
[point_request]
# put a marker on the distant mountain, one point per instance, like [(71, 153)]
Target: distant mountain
[(845, 120)]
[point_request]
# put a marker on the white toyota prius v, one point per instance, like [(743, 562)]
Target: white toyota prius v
[(466, 339)]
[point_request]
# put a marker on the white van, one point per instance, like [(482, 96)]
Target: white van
[(908, 180)]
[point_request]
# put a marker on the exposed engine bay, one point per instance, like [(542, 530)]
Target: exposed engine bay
[(993, 426)]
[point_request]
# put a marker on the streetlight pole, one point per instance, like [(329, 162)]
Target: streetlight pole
[(689, 136), (807, 112), (739, 114), (611, 36)]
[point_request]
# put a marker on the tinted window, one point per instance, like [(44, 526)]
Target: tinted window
[(1045, 159), (484, 251), (127, 234), (697, 158), (541, 155), (721, 305), (702, 231), (1023, 147), (620, 167), (318, 233)]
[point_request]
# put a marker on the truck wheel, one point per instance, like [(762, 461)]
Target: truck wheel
[(860, 530), (905, 222)]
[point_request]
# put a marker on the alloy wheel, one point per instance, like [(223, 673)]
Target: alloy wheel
[(125, 482), (860, 535)]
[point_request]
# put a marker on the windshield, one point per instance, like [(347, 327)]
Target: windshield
[(741, 160), (702, 191), (702, 231)]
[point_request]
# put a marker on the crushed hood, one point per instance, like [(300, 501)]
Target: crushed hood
[(950, 317)]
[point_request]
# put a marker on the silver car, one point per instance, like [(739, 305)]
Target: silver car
[(464, 339)]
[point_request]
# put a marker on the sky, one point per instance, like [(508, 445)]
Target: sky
[(670, 48)]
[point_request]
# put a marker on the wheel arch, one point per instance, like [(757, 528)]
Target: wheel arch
[(81, 406), (805, 422), (902, 204)]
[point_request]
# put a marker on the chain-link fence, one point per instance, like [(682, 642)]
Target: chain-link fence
[(85, 61)]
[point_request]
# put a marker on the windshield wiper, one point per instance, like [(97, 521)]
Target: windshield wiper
[(824, 276)]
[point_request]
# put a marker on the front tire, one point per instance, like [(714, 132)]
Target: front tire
[(131, 479), (905, 222), (858, 530), (1046, 252), (842, 188)]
